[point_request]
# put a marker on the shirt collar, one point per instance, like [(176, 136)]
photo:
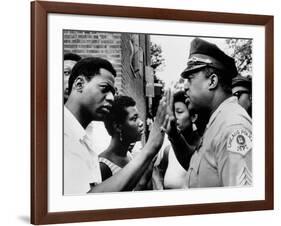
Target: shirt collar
[(227, 101), (72, 125), (93, 127)]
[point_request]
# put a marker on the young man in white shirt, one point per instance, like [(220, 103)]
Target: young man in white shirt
[(91, 92)]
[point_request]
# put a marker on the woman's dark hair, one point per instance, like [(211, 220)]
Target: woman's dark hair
[(89, 67), (179, 96), (118, 112)]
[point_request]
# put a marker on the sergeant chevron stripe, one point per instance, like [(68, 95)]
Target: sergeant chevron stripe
[(244, 177)]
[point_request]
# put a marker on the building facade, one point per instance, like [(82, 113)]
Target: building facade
[(130, 56)]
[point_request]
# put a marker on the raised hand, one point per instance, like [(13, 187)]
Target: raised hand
[(171, 126), (160, 123)]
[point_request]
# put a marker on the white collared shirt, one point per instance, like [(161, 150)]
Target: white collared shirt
[(97, 131), (81, 165)]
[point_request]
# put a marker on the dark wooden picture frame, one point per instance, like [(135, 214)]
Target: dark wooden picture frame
[(39, 112)]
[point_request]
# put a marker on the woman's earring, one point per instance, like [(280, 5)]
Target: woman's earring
[(194, 127), (120, 136), (194, 118)]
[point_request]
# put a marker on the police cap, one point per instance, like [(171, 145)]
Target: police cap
[(242, 81), (205, 54)]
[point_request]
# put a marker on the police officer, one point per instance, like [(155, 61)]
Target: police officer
[(224, 155), (242, 89)]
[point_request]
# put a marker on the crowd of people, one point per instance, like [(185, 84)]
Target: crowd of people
[(200, 137)]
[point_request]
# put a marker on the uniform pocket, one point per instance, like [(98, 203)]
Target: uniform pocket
[(193, 171)]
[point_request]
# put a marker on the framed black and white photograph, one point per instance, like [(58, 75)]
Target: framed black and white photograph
[(144, 112)]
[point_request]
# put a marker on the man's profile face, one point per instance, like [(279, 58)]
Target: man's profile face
[(98, 94), (67, 68), (196, 86)]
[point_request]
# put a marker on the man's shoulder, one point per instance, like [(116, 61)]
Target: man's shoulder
[(233, 114), (231, 118), (236, 124)]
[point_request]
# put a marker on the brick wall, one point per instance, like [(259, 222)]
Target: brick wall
[(98, 44), (129, 54)]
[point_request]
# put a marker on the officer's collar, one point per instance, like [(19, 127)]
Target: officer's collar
[(231, 99)]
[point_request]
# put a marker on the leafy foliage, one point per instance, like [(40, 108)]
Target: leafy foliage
[(157, 63), (241, 51), (157, 59)]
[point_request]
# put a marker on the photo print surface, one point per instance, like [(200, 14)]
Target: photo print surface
[(146, 112)]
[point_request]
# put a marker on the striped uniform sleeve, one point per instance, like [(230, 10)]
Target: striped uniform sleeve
[(234, 156)]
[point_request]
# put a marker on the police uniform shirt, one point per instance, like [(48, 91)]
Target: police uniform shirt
[(81, 165), (224, 156)]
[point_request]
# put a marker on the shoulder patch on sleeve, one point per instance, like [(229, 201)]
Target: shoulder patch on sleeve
[(240, 141)]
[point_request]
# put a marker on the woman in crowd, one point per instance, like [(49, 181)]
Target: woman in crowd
[(125, 127), (167, 172)]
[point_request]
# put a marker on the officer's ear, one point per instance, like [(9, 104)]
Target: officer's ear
[(79, 83), (213, 81)]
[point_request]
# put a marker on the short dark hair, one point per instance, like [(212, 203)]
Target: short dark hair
[(71, 56), (118, 112), (224, 80), (180, 96), (89, 67)]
